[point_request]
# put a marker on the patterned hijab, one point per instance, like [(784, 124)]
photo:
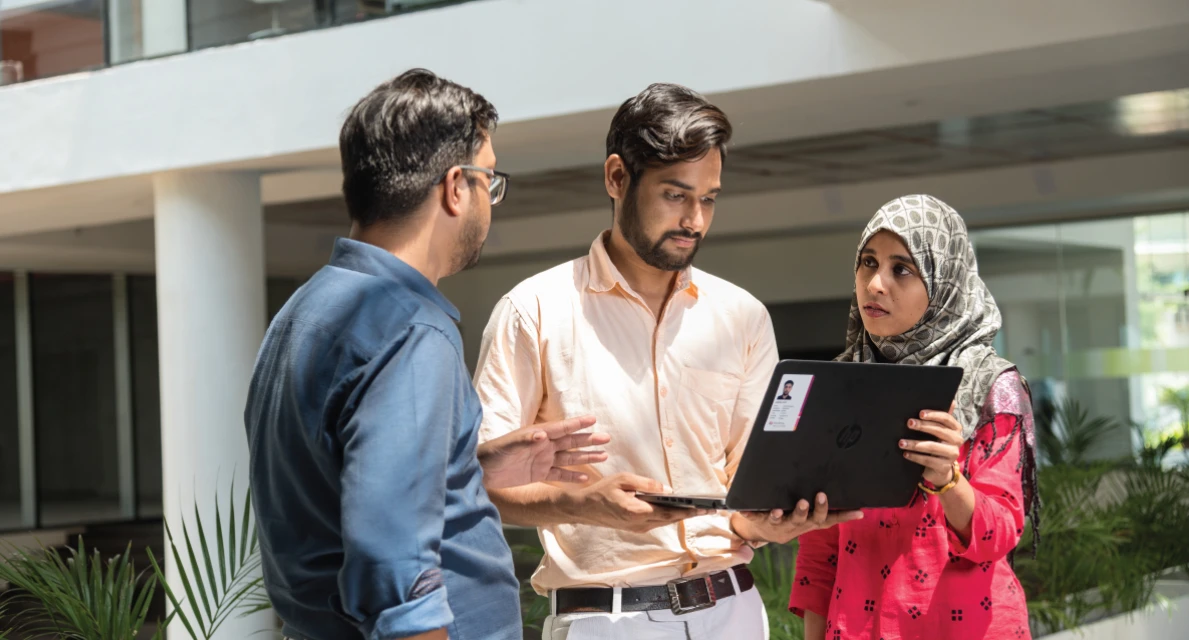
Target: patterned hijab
[(962, 318)]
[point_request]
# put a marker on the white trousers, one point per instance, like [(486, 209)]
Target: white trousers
[(740, 617)]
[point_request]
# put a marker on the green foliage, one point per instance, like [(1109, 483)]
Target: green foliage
[(1154, 449), (773, 568), (1108, 532), (1178, 399), (79, 596), (219, 580), (533, 608), (1065, 432)]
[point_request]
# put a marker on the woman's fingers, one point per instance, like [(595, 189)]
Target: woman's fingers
[(942, 450), (937, 430), (942, 418), (930, 462)]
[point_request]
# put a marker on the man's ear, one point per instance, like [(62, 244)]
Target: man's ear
[(615, 176), (455, 191)]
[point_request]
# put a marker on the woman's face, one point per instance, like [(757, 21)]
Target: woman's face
[(892, 296)]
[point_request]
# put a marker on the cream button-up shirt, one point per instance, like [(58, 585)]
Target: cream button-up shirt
[(678, 397)]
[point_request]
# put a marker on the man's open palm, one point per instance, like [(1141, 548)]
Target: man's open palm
[(541, 453)]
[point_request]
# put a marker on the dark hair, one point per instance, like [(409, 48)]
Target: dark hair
[(665, 124), (402, 137)]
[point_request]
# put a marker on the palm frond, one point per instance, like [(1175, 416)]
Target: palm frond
[(4, 620), (1065, 432), (1109, 531), (1178, 399), (80, 596), (218, 568)]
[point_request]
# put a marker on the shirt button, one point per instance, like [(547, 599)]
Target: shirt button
[(669, 442), (664, 392)]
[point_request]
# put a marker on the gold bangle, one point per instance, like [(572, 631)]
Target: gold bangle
[(950, 485)]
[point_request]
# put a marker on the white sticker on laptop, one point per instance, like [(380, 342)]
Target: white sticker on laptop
[(789, 402)]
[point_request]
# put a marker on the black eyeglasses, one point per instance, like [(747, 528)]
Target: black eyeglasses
[(498, 188)]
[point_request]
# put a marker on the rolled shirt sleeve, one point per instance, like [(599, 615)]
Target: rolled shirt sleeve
[(396, 448)]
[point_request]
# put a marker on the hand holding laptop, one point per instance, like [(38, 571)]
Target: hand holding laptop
[(779, 527), (612, 502)]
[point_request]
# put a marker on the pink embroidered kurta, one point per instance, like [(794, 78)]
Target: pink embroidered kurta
[(904, 573)]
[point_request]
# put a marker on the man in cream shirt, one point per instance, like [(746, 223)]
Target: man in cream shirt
[(673, 363)]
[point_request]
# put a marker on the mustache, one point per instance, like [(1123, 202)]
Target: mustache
[(681, 233)]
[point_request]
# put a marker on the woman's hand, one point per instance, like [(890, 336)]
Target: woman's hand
[(937, 457)]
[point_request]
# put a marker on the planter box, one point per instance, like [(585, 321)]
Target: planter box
[(1155, 623)]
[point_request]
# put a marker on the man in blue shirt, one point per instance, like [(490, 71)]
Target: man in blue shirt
[(370, 497)]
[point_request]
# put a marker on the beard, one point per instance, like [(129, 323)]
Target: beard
[(653, 253), (470, 242)]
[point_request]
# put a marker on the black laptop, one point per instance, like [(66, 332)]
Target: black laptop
[(832, 427)]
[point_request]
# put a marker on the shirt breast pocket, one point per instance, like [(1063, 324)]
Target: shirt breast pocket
[(707, 402)]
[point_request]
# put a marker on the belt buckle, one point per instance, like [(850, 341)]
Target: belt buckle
[(675, 595)]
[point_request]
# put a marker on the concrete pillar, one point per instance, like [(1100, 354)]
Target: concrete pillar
[(163, 26), (210, 317)]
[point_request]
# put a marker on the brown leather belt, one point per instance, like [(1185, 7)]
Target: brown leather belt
[(679, 596)]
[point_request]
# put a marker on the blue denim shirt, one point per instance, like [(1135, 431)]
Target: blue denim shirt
[(362, 424)]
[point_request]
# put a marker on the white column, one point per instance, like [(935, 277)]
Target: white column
[(25, 424), (210, 317), (163, 27), (125, 436)]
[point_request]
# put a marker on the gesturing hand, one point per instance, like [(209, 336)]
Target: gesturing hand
[(540, 453), (937, 457)]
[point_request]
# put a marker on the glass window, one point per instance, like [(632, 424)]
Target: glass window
[(10, 461), (146, 393), (43, 38), (125, 30), (74, 398), (216, 22), (1097, 313)]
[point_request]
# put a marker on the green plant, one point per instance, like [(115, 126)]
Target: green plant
[(1178, 399), (534, 608), (1153, 449), (1065, 432), (773, 568), (1109, 531), (220, 581), (79, 596)]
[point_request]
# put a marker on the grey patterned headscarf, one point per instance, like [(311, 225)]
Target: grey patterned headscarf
[(962, 318)]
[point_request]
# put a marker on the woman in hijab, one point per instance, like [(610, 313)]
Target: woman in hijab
[(939, 567)]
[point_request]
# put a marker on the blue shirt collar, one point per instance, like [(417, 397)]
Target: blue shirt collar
[(372, 260)]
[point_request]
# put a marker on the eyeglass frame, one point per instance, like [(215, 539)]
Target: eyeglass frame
[(496, 199)]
